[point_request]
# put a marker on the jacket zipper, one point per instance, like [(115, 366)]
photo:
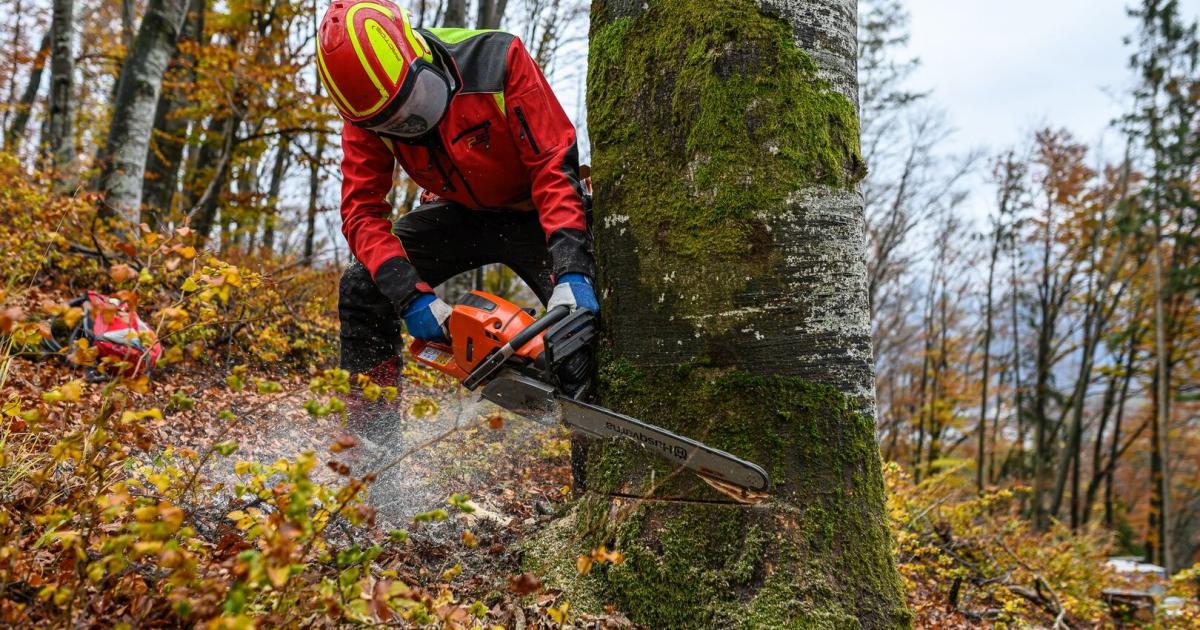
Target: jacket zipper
[(447, 183), (439, 146), (470, 130), (525, 131), (433, 145)]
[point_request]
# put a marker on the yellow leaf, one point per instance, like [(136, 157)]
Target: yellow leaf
[(83, 354), (72, 315), (140, 385), (95, 571), (146, 513), (147, 547), (174, 354), (583, 564), (233, 276), (278, 575), (69, 392), (424, 407), (559, 615)]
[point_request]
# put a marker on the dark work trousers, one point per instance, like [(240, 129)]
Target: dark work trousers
[(442, 239)]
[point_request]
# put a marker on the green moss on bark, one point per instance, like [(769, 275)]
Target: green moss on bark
[(724, 94), (707, 124), (816, 555)]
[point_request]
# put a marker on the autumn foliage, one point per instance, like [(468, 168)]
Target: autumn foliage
[(108, 518), (1037, 370)]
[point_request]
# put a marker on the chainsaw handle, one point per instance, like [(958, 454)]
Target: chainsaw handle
[(552, 317)]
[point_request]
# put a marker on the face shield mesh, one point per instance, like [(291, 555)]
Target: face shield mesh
[(424, 107)]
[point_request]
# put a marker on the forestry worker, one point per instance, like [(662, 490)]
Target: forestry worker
[(471, 119)]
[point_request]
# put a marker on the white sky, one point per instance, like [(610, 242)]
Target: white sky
[(1002, 69)]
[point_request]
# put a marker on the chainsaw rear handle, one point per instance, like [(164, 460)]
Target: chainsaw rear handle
[(497, 358)]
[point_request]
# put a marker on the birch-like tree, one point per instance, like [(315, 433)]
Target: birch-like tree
[(60, 138), (170, 128), (123, 160)]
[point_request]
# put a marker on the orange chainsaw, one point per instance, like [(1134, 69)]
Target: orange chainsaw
[(540, 368)]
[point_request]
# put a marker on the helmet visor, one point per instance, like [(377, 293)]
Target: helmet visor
[(421, 109)]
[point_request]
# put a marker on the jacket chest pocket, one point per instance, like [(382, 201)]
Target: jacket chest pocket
[(474, 138)]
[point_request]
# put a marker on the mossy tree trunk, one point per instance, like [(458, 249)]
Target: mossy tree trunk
[(729, 233)]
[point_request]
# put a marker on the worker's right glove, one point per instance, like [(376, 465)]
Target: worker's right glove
[(424, 314), (426, 318), (575, 291)]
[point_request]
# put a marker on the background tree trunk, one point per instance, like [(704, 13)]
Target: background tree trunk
[(271, 215), (168, 137), (456, 14), (60, 138), (123, 161), (212, 162), (314, 189), (127, 11), (981, 461), (14, 66), (489, 13), (25, 106), (731, 250)]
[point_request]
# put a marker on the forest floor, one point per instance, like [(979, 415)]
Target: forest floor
[(516, 472), (430, 443)]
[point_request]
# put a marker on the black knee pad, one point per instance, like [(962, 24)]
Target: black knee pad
[(356, 287)]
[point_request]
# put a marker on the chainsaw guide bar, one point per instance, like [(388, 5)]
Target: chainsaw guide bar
[(536, 400), (540, 369)]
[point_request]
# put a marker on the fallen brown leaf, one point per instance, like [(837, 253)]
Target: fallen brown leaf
[(524, 584)]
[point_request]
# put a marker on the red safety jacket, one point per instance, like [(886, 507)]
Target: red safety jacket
[(505, 142)]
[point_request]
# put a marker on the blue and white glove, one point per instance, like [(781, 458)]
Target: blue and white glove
[(425, 317), (574, 290)]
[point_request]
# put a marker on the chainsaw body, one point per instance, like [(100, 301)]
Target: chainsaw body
[(541, 368), (482, 326), (479, 325)]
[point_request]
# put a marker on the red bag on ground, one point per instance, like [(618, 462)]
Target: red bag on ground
[(117, 332), (122, 340)]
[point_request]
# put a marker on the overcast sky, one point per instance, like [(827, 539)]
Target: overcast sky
[(1002, 69)]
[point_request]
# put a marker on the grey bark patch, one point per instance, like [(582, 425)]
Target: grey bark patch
[(133, 113), (826, 30)]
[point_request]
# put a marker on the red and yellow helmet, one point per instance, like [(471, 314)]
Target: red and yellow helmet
[(371, 61)]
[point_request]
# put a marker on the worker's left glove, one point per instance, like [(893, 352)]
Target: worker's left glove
[(425, 317), (575, 291)]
